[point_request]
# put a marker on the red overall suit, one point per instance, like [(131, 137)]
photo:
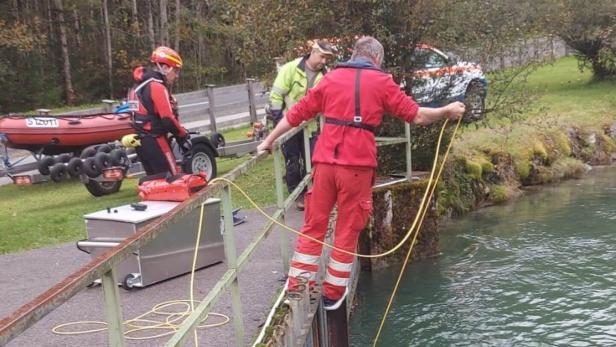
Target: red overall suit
[(153, 120), (353, 98)]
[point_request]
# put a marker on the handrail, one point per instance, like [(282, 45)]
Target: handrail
[(30, 313)]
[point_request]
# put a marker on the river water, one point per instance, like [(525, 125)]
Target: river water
[(539, 271)]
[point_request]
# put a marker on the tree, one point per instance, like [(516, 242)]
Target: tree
[(66, 66), (588, 27), (108, 48)]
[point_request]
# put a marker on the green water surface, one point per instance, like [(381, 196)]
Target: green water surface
[(540, 271)]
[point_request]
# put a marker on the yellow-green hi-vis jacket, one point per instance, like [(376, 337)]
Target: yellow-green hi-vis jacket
[(291, 85)]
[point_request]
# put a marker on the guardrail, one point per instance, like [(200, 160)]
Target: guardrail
[(196, 105), (104, 265), (205, 110)]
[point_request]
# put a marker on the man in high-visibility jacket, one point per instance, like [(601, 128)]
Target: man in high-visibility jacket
[(293, 81), (353, 98)]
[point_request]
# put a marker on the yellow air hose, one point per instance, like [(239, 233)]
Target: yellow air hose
[(408, 254)]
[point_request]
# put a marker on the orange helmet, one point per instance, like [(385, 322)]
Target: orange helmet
[(167, 56)]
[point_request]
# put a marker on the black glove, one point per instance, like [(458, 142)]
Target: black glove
[(276, 116), (184, 142)]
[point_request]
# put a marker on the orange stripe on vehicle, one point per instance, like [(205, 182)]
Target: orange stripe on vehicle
[(445, 71)]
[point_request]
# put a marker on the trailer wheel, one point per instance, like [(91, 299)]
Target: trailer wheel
[(63, 158), (58, 172), (97, 188), (201, 159), (119, 157), (90, 168), (75, 167), (104, 148), (89, 151), (43, 165), (102, 160), (128, 282)]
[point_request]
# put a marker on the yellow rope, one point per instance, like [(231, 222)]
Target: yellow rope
[(408, 254), (169, 325), (299, 233)]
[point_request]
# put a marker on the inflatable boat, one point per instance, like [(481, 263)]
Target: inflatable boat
[(62, 133)]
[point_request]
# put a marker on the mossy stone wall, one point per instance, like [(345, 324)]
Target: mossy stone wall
[(395, 208)]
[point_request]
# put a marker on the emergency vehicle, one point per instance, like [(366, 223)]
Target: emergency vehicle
[(440, 78)]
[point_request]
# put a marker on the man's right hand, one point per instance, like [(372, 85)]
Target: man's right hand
[(455, 110), (264, 147)]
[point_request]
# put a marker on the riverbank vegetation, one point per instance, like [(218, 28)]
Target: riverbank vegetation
[(571, 124)]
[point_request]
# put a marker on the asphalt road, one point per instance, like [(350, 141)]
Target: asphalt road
[(27, 274)]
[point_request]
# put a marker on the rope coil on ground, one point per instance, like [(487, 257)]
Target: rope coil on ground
[(169, 324)]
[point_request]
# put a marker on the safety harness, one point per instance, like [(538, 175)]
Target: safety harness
[(143, 95), (357, 120)]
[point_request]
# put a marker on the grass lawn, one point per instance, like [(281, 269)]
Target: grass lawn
[(566, 98), (51, 213)]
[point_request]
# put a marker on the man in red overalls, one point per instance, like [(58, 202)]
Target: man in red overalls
[(155, 114), (353, 98)]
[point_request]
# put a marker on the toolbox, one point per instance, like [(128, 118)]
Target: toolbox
[(170, 254)]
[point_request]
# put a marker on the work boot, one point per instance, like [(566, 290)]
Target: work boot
[(331, 304), (299, 203)]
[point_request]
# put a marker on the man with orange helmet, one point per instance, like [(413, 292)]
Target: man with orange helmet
[(155, 112)]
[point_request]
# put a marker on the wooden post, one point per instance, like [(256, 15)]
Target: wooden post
[(231, 260), (211, 105), (284, 238), (113, 311), (252, 106), (107, 105)]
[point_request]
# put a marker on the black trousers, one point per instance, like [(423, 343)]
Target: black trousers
[(295, 161), (155, 155)]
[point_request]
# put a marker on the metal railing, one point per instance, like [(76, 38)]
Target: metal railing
[(104, 265)]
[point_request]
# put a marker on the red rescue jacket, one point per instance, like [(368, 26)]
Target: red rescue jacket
[(155, 115), (335, 97)]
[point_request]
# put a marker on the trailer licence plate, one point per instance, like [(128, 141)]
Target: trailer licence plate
[(42, 122)]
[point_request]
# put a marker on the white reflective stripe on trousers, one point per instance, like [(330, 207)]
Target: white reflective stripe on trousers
[(338, 266), (337, 281), (306, 259)]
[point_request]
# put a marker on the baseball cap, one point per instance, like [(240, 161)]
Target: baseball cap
[(323, 47)]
